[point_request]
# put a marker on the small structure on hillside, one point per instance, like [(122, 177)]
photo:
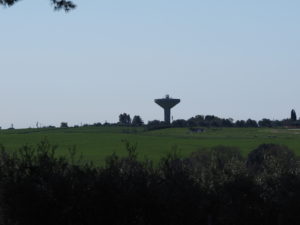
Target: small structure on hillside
[(167, 103), (196, 130)]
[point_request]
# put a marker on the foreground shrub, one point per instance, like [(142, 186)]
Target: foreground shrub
[(215, 186), (36, 187), (274, 169)]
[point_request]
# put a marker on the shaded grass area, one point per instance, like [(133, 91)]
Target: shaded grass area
[(96, 143)]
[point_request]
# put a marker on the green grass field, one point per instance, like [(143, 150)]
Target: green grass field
[(96, 143)]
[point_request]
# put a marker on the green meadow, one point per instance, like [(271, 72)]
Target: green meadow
[(96, 143)]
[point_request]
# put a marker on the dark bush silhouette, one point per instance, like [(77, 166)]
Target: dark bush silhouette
[(64, 125), (215, 186), (137, 121), (265, 123), (276, 172), (251, 123), (179, 123), (156, 125)]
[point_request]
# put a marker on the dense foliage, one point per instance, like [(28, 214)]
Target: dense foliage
[(210, 121), (214, 121), (124, 119), (213, 186), (58, 4)]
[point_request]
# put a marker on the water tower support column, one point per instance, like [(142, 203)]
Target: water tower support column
[(167, 115)]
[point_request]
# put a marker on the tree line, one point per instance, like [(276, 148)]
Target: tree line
[(196, 121), (209, 121), (214, 121), (216, 186)]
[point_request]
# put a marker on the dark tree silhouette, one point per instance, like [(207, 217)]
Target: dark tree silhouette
[(137, 121), (251, 123), (124, 119), (293, 115), (179, 123), (58, 4), (64, 125), (265, 123)]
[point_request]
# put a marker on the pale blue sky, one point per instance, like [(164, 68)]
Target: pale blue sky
[(236, 59)]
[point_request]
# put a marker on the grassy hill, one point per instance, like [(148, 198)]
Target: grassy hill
[(96, 143)]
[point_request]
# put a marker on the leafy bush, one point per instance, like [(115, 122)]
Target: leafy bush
[(215, 186)]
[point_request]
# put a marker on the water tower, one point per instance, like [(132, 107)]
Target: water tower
[(167, 103)]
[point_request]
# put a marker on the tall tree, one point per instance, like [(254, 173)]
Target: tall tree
[(64, 125), (57, 4), (293, 115), (124, 119), (137, 121)]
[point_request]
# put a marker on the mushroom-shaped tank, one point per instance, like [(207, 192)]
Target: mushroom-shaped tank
[(167, 103)]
